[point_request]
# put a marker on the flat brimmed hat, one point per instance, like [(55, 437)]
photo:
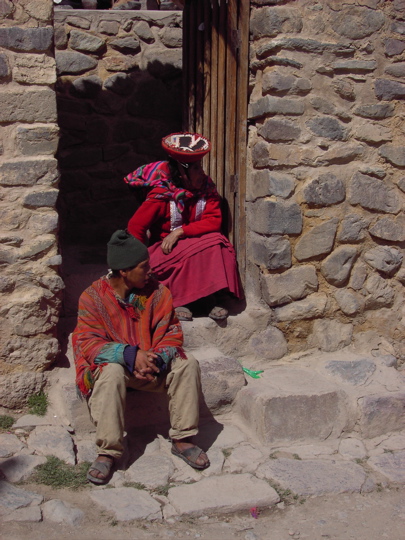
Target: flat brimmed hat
[(186, 147)]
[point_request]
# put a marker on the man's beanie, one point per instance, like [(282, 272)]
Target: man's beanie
[(125, 251)]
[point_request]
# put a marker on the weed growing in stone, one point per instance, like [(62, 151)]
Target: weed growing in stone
[(38, 404), (296, 456), (136, 485), (58, 474), (227, 452), (6, 422)]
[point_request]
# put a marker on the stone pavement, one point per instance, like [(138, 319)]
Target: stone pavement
[(312, 424)]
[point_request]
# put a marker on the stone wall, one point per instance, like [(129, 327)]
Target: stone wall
[(326, 188), (30, 287), (119, 91)]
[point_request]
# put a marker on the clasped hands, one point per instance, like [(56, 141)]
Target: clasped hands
[(145, 368)]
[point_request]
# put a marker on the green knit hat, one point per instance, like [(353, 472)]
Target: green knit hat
[(125, 251)]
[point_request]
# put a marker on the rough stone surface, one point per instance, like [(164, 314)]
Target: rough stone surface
[(391, 465), (380, 293), (394, 154), (274, 105), (381, 414), (389, 229), (374, 194), (357, 22), (9, 445), (388, 90), (83, 42), (291, 285), (13, 498), (354, 372), (70, 62), (152, 471), (337, 266), (352, 228), (26, 39), (36, 140), (317, 241), (325, 190), (312, 477), (279, 130), (31, 514), (269, 22), (34, 105), (221, 495), (62, 512), (128, 503), (20, 467), (34, 69), (15, 388), (52, 441), (384, 259), (312, 307), (266, 183), (327, 127), (349, 302), (273, 253), (330, 335), (270, 344), (271, 217)]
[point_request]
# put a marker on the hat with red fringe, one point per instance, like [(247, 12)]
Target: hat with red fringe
[(186, 147)]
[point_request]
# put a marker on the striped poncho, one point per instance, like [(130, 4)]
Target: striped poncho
[(148, 322)]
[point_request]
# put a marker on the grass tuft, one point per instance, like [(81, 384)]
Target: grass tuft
[(136, 485), (6, 422), (38, 404), (58, 474)]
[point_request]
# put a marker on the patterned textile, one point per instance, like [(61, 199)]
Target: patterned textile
[(148, 322), (157, 175)]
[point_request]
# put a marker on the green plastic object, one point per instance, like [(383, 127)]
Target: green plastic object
[(252, 373)]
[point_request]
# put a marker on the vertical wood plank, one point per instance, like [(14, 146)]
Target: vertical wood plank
[(206, 130), (214, 90), (221, 96)]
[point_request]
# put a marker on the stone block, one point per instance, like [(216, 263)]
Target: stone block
[(26, 39), (43, 198), (222, 495), (52, 441), (271, 217), (380, 293), (84, 42), (391, 465), (139, 504), (325, 190), (162, 64), (377, 111), (314, 477), (127, 45), (389, 90), (266, 183), (62, 512), (289, 404), (143, 31), (16, 387), (120, 63), (279, 130), (317, 241), (29, 172), (13, 498), (273, 253), (356, 22), (396, 70), (269, 344), (273, 81), (384, 259), (87, 87), (381, 414), (372, 133), (312, 307), (393, 154), (38, 139), (330, 335), (349, 302), (60, 38), (336, 268), (394, 47), (391, 229), (272, 105), (271, 21), (327, 127), (73, 63), (153, 471), (111, 28), (171, 37), (79, 22), (20, 467), (293, 284), (5, 70), (34, 69), (345, 89), (34, 105), (355, 66), (355, 372), (374, 194), (120, 83), (352, 228), (340, 155)]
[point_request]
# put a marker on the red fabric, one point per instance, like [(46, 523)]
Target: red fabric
[(197, 267), (154, 215)]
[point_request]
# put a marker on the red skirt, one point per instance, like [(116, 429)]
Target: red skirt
[(197, 267)]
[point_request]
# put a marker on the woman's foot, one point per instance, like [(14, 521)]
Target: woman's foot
[(100, 470), (190, 453), (183, 314), (218, 313)]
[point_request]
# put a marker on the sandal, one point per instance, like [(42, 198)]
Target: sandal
[(102, 467), (190, 456), (183, 314), (218, 313)]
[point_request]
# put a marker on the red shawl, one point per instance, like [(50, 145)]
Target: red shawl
[(149, 322)]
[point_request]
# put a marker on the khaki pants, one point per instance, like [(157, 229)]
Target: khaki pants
[(107, 401)]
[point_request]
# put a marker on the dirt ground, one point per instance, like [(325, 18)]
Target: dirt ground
[(372, 516)]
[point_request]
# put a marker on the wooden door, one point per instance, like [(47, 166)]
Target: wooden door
[(215, 67)]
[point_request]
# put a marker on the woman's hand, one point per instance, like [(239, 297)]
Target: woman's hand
[(145, 367), (171, 239)]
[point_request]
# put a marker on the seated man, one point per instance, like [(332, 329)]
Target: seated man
[(127, 335)]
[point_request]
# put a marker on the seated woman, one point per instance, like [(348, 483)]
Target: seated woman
[(180, 220)]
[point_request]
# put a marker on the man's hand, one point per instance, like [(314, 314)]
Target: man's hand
[(170, 240), (145, 367)]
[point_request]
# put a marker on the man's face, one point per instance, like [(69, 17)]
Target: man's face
[(137, 277)]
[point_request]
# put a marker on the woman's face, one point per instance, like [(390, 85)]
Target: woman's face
[(193, 177)]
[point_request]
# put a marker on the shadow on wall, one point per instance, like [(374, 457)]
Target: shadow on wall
[(107, 131)]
